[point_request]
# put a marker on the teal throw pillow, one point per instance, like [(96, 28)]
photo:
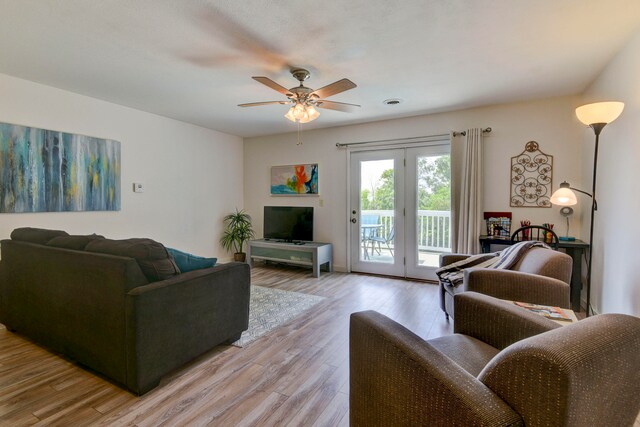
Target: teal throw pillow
[(188, 262)]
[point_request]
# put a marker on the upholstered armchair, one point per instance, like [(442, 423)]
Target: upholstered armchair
[(503, 366), (542, 276)]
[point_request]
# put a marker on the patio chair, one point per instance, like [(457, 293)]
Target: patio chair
[(368, 225), (384, 239)]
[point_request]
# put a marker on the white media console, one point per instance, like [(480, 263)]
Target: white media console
[(310, 254)]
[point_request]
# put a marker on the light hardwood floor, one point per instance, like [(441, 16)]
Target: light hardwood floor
[(297, 375)]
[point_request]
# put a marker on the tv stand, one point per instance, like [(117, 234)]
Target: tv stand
[(310, 254)]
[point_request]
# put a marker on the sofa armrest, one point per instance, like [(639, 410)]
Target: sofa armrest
[(517, 286), (446, 259), (172, 321), (396, 378), (502, 323)]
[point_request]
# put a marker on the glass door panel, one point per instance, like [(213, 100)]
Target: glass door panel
[(377, 180), (377, 207), (428, 209)]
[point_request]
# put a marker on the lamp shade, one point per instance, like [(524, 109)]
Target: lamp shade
[(299, 111), (313, 113), (564, 197), (599, 112), (289, 115)]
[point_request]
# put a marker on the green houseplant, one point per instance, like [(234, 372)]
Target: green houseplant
[(238, 230)]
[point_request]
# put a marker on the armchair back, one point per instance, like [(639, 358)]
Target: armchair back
[(544, 262)]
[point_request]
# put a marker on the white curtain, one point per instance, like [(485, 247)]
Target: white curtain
[(469, 203)]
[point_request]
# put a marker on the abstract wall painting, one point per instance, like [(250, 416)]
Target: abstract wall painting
[(294, 180), (49, 171)]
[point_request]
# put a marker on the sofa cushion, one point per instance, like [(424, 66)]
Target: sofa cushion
[(188, 262), (36, 235), (74, 242), (152, 257)]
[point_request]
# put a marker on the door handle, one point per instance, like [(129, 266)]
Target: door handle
[(353, 220)]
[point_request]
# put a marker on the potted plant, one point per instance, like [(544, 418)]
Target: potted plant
[(238, 230)]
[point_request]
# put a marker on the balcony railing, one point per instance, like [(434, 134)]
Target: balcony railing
[(434, 228)]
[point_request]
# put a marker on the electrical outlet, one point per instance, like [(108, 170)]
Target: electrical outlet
[(321, 202), (138, 187)]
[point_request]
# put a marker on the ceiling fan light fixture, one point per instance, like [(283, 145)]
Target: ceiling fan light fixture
[(299, 111), (304, 99), (289, 115), (302, 113), (305, 118), (313, 113)]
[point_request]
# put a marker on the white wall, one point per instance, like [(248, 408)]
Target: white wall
[(551, 122), (193, 176), (616, 257)]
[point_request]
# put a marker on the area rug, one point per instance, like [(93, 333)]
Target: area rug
[(270, 308)]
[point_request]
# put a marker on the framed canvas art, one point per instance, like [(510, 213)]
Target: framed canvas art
[(50, 171), (294, 180)]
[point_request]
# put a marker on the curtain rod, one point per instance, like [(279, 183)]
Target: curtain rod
[(464, 132), (409, 140), (395, 140)]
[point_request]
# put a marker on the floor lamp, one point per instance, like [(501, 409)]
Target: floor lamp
[(596, 116)]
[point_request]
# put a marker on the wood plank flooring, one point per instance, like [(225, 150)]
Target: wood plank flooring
[(295, 376)]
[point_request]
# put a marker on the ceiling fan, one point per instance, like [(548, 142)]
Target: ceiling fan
[(304, 99)]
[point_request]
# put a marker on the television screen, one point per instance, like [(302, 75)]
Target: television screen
[(288, 223)]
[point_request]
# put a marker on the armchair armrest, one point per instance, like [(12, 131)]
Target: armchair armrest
[(517, 286), (396, 378), (446, 259), (502, 323)]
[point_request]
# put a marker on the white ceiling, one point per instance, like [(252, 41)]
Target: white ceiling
[(192, 60)]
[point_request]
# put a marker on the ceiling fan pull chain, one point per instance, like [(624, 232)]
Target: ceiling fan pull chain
[(299, 141)]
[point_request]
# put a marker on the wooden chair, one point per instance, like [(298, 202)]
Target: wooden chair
[(536, 232)]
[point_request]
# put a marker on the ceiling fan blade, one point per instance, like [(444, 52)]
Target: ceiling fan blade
[(223, 28), (273, 85), (334, 88), (338, 106), (256, 104)]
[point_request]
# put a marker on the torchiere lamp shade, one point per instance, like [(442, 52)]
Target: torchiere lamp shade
[(599, 112)]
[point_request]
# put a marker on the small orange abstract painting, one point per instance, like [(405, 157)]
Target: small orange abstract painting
[(294, 179)]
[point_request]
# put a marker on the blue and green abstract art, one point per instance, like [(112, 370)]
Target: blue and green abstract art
[(49, 171)]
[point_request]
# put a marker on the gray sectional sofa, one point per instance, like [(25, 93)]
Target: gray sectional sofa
[(132, 317)]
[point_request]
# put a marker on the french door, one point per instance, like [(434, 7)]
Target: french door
[(377, 212), (400, 210)]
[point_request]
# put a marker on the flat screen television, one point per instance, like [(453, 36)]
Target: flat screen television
[(288, 223)]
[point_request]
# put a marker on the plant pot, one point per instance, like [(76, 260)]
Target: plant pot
[(240, 257)]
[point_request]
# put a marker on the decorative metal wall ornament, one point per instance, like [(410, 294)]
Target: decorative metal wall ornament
[(531, 178)]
